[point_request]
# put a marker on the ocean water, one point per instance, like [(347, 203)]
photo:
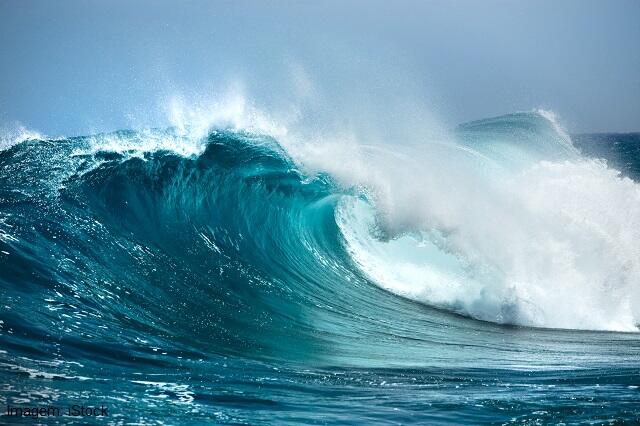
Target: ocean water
[(236, 277)]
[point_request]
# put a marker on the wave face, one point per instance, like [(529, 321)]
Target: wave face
[(237, 278)]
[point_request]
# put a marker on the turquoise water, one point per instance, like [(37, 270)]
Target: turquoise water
[(181, 280)]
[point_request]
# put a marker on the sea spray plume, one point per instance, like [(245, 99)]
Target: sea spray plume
[(190, 122), (11, 135), (232, 111)]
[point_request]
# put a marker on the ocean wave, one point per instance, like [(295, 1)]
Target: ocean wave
[(195, 269), (230, 243)]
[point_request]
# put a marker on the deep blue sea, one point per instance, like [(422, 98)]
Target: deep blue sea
[(233, 277)]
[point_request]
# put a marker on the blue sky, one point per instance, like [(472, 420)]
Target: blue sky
[(74, 67)]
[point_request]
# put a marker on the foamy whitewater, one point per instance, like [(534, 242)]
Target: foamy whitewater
[(505, 223), (235, 269)]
